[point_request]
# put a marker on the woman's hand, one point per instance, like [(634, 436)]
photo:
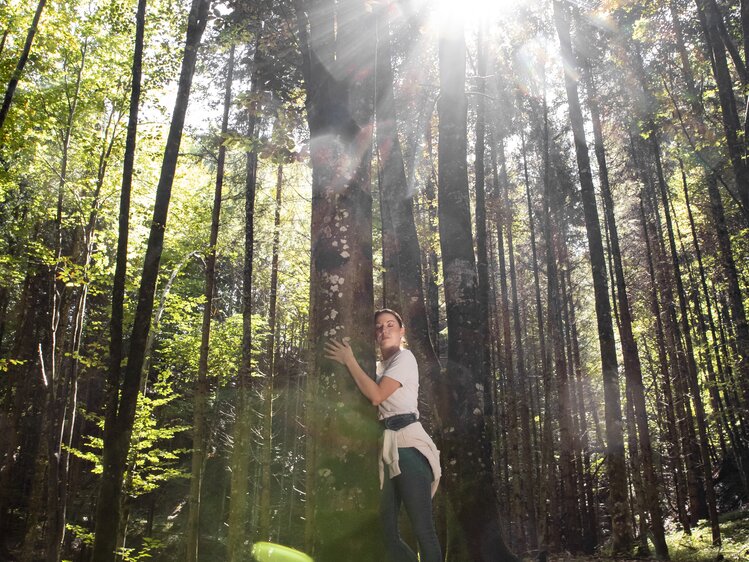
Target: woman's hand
[(339, 351)]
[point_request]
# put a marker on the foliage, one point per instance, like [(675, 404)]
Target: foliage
[(152, 462), (698, 547)]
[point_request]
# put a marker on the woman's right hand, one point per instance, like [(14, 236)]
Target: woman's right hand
[(339, 351)]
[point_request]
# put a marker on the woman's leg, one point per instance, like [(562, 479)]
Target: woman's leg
[(414, 485), (390, 503)]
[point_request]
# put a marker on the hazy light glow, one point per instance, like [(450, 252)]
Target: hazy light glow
[(472, 11)]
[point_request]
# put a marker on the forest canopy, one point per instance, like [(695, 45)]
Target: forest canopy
[(196, 196)]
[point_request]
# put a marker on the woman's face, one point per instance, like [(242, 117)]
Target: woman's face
[(388, 332)]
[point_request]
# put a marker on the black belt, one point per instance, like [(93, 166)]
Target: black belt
[(398, 421)]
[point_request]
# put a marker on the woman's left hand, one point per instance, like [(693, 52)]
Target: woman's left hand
[(339, 351)]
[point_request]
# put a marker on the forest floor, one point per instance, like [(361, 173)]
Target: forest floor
[(697, 547)]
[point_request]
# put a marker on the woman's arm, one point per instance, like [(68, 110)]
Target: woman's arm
[(375, 393)]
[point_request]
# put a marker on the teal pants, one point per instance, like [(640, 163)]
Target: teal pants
[(413, 489)]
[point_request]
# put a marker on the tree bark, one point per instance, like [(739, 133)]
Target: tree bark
[(341, 509)]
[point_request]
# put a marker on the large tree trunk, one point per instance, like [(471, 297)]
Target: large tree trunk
[(468, 456), (202, 387), (118, 427), (621, 533), (397, 203), (341, 466), (16, 76)]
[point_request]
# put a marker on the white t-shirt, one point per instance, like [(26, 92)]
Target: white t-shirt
[(401, 367)]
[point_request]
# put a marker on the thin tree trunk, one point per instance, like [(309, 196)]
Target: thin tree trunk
[(523, 384), (10, 90), (735, 300), (591, 532), (6, 31), (507, 370), (551, 533), (266, 459), (692, 381), (621, 534), (202, 385), (579, 524), (630, 353), (731, 124), (51, 354), (674, 452), (117, 435), (240, 504)]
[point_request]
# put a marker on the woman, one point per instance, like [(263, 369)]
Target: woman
[(409, 463)]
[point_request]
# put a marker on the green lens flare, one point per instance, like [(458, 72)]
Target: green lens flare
[(269, 552)]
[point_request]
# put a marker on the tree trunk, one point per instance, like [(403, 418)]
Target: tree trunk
[(551, 534), (202, 386), (397, 203), (341, 468), (266, 458), (240, 532), (621, 534), (673, 445), (482, 255), (725, 416), (591, 532), (506, 363), (117, 435), (731, 124), (468, 456), (692, 381), (735, 300), (523, 384), (429, 258), (630, 353), (16, 76)]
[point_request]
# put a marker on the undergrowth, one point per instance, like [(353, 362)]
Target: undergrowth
[(734, 528)]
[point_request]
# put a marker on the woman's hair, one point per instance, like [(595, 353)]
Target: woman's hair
[(388, 311)]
